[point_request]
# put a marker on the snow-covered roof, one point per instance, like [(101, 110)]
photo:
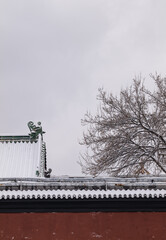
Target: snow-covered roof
[(70, 183), (82, 188), (23, 175), (21, 156), (83, 194)]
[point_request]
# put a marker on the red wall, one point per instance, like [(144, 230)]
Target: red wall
[(83, 226)]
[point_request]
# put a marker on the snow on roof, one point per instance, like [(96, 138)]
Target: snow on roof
[(23, 169), (150, 182), (20, 156), (69, 188), (83, 194)]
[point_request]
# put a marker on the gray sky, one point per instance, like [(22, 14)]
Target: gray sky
[(55, 54)]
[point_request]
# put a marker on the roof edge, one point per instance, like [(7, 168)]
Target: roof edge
[(15, 137)]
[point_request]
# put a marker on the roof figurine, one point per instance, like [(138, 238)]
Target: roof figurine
[(35, 130), (47, 173)]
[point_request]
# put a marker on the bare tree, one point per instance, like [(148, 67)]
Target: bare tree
[(128, 134)]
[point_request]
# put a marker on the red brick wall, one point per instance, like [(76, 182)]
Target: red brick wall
[(83, 226)]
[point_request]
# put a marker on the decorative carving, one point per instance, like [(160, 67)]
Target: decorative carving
[(48, 173), (35, 130)]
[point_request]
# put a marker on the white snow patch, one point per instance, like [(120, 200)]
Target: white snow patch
[(95, 235)]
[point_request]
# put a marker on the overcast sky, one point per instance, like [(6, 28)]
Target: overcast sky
[(55, 54)]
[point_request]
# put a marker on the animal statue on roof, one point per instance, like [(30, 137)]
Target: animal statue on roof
[(47, 173), (35, 130)]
